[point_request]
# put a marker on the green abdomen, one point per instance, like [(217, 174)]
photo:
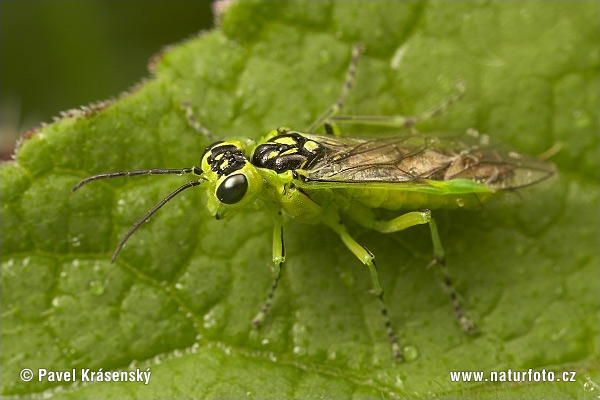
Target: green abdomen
[(409, 200)]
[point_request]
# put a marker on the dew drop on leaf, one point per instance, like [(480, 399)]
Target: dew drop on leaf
[(410, 353), (96, 287), (75, 241), (589, 385)]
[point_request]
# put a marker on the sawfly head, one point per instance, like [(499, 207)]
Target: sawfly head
[(230, 179)]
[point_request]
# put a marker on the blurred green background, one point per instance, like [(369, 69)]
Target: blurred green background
[(58, 55)]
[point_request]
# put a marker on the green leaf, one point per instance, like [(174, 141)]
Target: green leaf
[(181, 295)]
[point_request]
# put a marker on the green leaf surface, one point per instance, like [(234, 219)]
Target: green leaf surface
[(181, 295)]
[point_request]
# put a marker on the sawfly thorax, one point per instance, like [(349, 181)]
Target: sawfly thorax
[(232, 181), (285, 150)]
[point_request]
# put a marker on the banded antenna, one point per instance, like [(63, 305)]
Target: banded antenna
[(138, 223)]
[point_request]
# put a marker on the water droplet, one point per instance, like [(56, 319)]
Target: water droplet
[(472, 132), (347, 278), (75, 241), (219, 73), (398, 56), (399, 382), (589, 385), (298, 330), (97, 267), (582, 119), (195, 347), (460, 202), (209, 320), (325, 56), (255, 335), (525, 14), (559, 290), (97, 287), (557, 335), (56, 302), (410, 353), (264, 342)]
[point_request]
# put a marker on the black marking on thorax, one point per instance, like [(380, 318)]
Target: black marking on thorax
[(287, 151), (225, 159)]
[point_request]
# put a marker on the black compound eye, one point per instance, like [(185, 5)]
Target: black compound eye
[(232, 189)]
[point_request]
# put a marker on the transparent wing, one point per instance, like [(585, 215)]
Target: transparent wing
[(416, 158)]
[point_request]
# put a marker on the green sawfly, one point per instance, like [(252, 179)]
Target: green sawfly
[(325, 178)]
